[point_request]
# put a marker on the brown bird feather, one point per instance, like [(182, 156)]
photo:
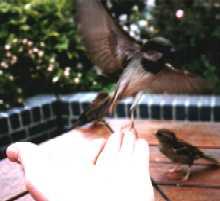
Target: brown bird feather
[(97, 110), (107, 44), (168, 80)]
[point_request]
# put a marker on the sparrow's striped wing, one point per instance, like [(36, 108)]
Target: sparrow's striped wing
[(107, 44)]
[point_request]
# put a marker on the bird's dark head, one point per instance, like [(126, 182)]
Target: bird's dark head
[(155, 53), (159, 44), (166, 136)]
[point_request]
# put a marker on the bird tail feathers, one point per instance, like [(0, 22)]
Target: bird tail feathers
[(211, 159)]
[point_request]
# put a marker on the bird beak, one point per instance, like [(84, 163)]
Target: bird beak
[(173, 50)]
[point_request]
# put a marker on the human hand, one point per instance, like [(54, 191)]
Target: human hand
[(86, 168)]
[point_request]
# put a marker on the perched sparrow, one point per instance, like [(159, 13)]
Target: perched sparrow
[(179, 151), (144, 67), (96, 112)]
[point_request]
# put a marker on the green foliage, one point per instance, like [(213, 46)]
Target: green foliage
[(40, 51)]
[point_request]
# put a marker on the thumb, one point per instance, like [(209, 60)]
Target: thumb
[(24, 153), (29, 156)]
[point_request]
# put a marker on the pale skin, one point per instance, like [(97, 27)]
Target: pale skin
[(81, 167)]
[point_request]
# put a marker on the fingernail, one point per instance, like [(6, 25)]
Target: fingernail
[(12, 153)]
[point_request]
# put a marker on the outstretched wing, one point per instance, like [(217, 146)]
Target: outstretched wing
[(107, 44), (175, 81)]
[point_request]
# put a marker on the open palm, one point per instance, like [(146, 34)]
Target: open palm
[(80, 166)]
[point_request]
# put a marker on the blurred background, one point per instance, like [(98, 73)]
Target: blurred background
[(41, 52)]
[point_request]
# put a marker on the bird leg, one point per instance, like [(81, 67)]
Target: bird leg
[(187, 175), (132, 110), (132, 118), (134, 105), (176, 168)]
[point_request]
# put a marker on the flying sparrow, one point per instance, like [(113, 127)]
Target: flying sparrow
[(144, 66), (96, 112)]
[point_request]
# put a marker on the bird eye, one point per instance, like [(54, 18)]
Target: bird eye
[(159, 134)]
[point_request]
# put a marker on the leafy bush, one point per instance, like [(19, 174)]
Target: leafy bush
[(40, 51)]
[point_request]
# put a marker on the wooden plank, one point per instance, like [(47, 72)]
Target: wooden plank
[(157, 196), (191, 193), (11, 179), (201, 175)]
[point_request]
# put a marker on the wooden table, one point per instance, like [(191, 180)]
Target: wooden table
[(203, 185)]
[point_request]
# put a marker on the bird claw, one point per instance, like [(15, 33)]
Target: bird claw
[(175, 169), (130, 127), (186, 177)]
